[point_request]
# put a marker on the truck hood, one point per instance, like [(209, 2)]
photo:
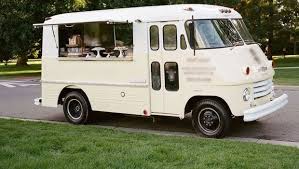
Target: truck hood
[(230, 64)]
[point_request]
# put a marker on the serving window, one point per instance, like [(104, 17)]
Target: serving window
[(96, 40)]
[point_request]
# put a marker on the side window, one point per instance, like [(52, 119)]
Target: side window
[(183, 42), (96, 40), (154, 37), (171, 76), (170, 37), (156, 75)]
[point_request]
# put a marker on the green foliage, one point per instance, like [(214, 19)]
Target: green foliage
[(281, 24), (19, 38), (17, 35)]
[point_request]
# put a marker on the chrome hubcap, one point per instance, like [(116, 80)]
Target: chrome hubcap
[(209, 120), (74, 109)]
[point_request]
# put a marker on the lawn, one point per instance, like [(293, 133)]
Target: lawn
[(287, 76), (39, 145), (287, 62), (11, 70)]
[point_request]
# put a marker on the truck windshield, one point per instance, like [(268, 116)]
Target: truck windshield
[(242, 29), (214, 33)]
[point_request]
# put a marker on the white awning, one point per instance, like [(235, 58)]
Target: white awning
[(143, 14), (38, 25)]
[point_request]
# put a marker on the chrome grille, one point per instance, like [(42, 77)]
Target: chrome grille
[(262, 88)]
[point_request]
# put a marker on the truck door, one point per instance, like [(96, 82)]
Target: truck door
[(171, 57), (156, 73), (164, 63)]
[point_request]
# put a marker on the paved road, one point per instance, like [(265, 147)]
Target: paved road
[(16, 100)]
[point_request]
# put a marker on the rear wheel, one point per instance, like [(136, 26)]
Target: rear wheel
[(211, 118), (76, 108)]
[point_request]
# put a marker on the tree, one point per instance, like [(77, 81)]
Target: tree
[(269, 21), (17, 18), (16, 28), (289, 19)]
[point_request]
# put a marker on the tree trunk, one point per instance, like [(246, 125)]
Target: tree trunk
[(271, 28), (22, 61)]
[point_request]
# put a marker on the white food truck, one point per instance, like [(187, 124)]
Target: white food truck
[(157, 61)]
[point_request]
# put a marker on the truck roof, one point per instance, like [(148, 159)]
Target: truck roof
[(145, 14)]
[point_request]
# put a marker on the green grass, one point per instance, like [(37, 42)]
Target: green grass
[(11, 70), (286, 77), (287, 62), (39, 145)]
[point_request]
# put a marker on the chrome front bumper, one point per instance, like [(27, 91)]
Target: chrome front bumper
[(266, 109)]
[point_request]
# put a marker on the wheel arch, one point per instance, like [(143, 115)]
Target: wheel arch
[(193, 100), (69, 89)]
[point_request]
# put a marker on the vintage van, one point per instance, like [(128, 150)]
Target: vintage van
[(157, 61)]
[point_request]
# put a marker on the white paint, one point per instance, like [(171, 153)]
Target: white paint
[(217, 72), (144, 14), (265, 109), (50, 44)]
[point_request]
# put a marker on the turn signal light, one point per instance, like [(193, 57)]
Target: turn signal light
[(247, 71)]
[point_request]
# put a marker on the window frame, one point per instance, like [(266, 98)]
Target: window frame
[(60, 57), (245, 30), (178, 77), (185, 44), (176, 37), (157, 89), (152, 26), (188, 34)]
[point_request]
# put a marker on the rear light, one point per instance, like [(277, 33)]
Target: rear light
[(145, 112)]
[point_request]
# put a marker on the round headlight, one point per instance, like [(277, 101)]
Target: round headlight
[(246, 94)]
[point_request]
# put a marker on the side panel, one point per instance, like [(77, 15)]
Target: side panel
[(120, 86), (50, 41)]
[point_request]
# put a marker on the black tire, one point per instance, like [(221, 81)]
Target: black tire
[(76, 108), (211, 118)]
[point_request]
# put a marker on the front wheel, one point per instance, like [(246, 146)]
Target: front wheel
[(76, 108), (211, 118)]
